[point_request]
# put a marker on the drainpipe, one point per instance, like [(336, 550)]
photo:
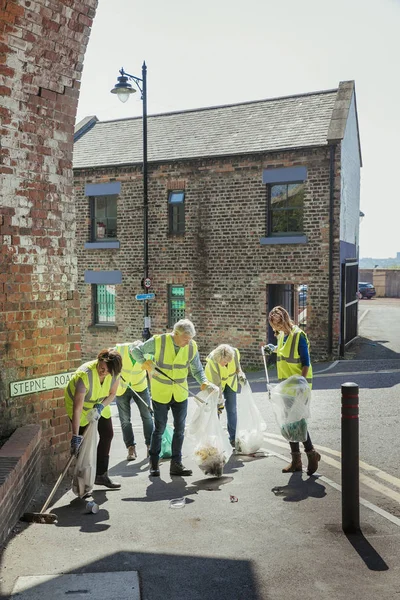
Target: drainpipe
[(332, 149)]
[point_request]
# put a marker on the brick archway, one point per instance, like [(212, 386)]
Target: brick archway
[(42, 47)]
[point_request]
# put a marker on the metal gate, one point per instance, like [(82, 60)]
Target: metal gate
[(349, 308)]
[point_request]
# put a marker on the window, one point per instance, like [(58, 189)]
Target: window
[(176, 212), (104, 304), (285, 209), (103, 218), (176, 304)]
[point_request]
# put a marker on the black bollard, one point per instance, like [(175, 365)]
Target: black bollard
[(350, 459)]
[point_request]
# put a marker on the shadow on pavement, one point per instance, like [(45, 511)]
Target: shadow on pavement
[(369, 555), (300, 489), (172, 576)]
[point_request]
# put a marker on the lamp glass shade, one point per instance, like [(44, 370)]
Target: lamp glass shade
[(123, 94)]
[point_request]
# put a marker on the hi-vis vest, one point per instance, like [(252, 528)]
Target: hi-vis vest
[(132, 373), (176, 365), (288, 357), (223, 376), (96, 392)]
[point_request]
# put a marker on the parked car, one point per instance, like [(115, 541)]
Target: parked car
[(366, 290)]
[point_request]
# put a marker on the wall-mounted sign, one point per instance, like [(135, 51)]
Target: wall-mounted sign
[(41, 384)]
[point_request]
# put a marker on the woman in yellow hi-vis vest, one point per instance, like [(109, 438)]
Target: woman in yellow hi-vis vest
[(224, 370), (293, 358), (175, 354), (133, 386), (93, 386)]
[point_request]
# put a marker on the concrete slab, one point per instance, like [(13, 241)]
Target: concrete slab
[(123, 585)]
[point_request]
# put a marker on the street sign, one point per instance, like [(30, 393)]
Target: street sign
[(145, 296), (147, 282)]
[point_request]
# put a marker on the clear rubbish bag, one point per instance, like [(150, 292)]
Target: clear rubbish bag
[(291, 405), (211, 447), (250, 424), (85, 467)]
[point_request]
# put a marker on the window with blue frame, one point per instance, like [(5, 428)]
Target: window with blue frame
[(285, 209), (176, 212), (104, 304), (176, 303)]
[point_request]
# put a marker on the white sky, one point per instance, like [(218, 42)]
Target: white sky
[(226, 51)]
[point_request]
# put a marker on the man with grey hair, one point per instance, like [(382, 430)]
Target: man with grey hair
[(174, 354)]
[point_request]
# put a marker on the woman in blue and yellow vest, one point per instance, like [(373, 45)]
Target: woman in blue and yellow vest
[(133, 386), (293, 358), (93, 386), (224, 370), (174, 354)]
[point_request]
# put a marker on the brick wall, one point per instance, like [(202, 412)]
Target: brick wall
[(20, 469), (220, 260), (41, 55)]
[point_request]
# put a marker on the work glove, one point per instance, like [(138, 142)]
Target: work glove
[(148, 366), (76, 442), (209, 387), (242, 378), (220, 409), (270, 349), (95, 413)]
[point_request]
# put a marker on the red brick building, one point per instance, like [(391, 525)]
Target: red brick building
[(41, 54), (250, 205)]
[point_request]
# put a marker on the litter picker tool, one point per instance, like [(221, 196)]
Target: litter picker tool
[(180, 385), (137, 395), (266, 371)]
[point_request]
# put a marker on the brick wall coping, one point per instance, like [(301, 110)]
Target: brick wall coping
[(20, 470)]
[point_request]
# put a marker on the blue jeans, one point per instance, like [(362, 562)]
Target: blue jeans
[(231, 413), (124, 411), (179, 412)]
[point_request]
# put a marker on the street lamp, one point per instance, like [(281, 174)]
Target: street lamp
[(124, 89)]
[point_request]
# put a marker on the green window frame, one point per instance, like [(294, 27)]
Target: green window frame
[(176, 212), (176, 303), (104, 304), (285, 209), (103, 217)]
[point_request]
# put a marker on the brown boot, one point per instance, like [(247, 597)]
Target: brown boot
[(295, 465), (313, 459)]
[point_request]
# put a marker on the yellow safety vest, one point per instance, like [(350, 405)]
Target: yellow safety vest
[(96, 392), (223, 376), (288, 357), (131, 372), (176, 365)]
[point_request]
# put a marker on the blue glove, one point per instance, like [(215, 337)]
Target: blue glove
[(76, 442), (270, 349), (99, 408)]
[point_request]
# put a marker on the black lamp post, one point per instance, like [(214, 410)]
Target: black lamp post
[(123, 89)]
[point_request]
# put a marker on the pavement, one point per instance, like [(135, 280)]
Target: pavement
[(282, 538)]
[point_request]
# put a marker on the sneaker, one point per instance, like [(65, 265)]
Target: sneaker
[(131, 453), (178, 469), (106, 481)]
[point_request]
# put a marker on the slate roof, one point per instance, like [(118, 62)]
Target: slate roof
[(251, 127)]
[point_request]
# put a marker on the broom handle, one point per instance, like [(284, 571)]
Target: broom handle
[(59, 480)]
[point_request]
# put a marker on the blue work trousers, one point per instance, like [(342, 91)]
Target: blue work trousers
[(124, 411), (179, 412)]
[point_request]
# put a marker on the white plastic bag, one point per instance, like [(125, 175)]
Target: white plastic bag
[(250, 424), (291, 404), (85, 467), (212, 449)]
